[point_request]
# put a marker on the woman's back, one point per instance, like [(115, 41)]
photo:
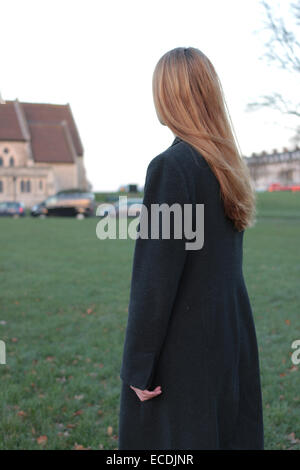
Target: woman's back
[(190, 326), (222, 249)]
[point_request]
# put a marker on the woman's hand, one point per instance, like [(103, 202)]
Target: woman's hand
[(146, 394)]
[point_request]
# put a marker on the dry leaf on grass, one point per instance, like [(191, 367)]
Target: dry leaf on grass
[(80, 447), (42, 440), (292, 438), (79, 397)]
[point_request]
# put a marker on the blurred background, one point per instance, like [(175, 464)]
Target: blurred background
[(78, 128)]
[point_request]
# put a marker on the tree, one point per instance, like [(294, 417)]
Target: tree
[(283, 51)]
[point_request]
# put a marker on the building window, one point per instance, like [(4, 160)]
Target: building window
[(6, 150), (1, 186), (11, 161), (41, 185), (25, 186), (1, 161)]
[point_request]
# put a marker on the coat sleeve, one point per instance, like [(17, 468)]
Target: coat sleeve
[(157, 268)]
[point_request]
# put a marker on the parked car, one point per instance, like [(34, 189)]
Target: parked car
[(12, 209), (66, 204), (121, 208)]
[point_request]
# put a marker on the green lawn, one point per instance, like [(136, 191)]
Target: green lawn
[(63, 311)]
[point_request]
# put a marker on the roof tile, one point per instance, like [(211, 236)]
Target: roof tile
[(50, 113), (10, 126), (51, 143)]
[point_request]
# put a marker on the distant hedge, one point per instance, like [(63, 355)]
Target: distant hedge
[(112, 197)]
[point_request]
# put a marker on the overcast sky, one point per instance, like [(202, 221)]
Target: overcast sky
[(100, 55)]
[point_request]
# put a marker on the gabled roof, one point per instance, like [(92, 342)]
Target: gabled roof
[(50, 128), (52, 142), (53, 113), (12, 125)]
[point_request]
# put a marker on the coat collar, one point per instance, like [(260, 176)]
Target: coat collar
[(176, 140)]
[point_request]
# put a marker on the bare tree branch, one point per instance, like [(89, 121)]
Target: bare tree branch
[(275, 101), (283, 50), (296, 9)]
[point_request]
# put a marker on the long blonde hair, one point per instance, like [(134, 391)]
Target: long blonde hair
[(189, 98)]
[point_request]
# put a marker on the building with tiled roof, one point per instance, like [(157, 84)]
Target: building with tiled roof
[(41, 152)]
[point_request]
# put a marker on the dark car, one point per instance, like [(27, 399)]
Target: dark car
[(12, 209), (128, 207), (66, 204)]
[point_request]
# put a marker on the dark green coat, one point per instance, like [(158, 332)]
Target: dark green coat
[(190, 327)]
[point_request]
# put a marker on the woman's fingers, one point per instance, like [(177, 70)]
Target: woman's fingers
[(152, 391), (147, 394), (156, 390)]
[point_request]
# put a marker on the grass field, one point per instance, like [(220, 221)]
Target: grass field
[(63, 311)]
